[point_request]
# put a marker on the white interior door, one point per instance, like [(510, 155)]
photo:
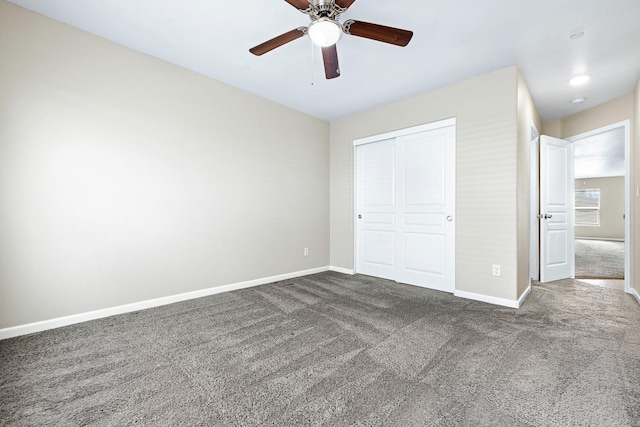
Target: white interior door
[(405, 206), (556, 208), (425, 233), (376, 209)]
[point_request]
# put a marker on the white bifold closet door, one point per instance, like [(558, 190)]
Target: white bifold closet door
[(405, 206)]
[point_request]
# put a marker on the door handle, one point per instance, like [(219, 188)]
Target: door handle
[(449, 218), (359, 216), (547, 216)]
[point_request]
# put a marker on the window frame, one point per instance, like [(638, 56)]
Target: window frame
[(587, 208)]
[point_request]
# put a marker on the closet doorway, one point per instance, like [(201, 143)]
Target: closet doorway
[(405, 205)]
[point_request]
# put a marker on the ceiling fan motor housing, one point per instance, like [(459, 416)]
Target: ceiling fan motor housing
[(324, 9)]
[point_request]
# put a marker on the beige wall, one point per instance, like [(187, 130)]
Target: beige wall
[(552, 128), (124, 178), (486, 175), (526, 115), (614, 111), (611, 208)]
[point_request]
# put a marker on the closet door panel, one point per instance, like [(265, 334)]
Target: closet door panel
[(376, 207), (422, 233)]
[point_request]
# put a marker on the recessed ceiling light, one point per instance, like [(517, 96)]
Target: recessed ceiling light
[(578, 101), (580, 80), (576, 35)]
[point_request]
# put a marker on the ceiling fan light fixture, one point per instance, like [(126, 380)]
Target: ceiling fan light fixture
[(325, 32)]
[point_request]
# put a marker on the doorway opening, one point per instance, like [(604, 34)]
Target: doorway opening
[(601, 206), (599, 211)]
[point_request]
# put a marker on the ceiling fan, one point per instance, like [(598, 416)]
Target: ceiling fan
[(325, 30)]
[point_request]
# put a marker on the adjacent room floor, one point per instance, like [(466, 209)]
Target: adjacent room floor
[(331, 349), (606, 283), (599, 259)]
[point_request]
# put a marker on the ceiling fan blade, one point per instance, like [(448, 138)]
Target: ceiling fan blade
[(299, 4), (378, 32), (275, 42), (330, 58), (344, 4)]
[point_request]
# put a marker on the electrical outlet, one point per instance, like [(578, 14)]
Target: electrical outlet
[(496, 269), (306, 251)]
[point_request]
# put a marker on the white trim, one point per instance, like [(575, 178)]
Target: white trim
[(524, 295), (44, 325), (342, 270), (635, 294), (628, 255), (489, 299), (607, 239), (587, 134), (535, 134), (534, 202), (572, 210), (354, 208), (408, 131)]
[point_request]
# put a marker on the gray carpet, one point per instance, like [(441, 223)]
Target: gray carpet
[(599, 259), (337, 350)]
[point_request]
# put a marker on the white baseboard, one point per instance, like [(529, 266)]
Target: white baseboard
[(489, 299), (524, 295), (635, 294), (342, 270), (610, 239), (44, 325)]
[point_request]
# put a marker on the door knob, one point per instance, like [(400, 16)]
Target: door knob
[(547, 216), (359, 216), (449, 218)]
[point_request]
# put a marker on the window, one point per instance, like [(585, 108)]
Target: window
[(588, 207)]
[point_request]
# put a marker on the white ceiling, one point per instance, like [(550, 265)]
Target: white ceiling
[(600, 155), (453, 40)]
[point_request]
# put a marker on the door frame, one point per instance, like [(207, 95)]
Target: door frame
[(534, 204), (626, 124), (380, 137)]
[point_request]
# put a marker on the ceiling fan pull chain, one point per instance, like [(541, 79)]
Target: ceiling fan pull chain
[(312, 63)]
